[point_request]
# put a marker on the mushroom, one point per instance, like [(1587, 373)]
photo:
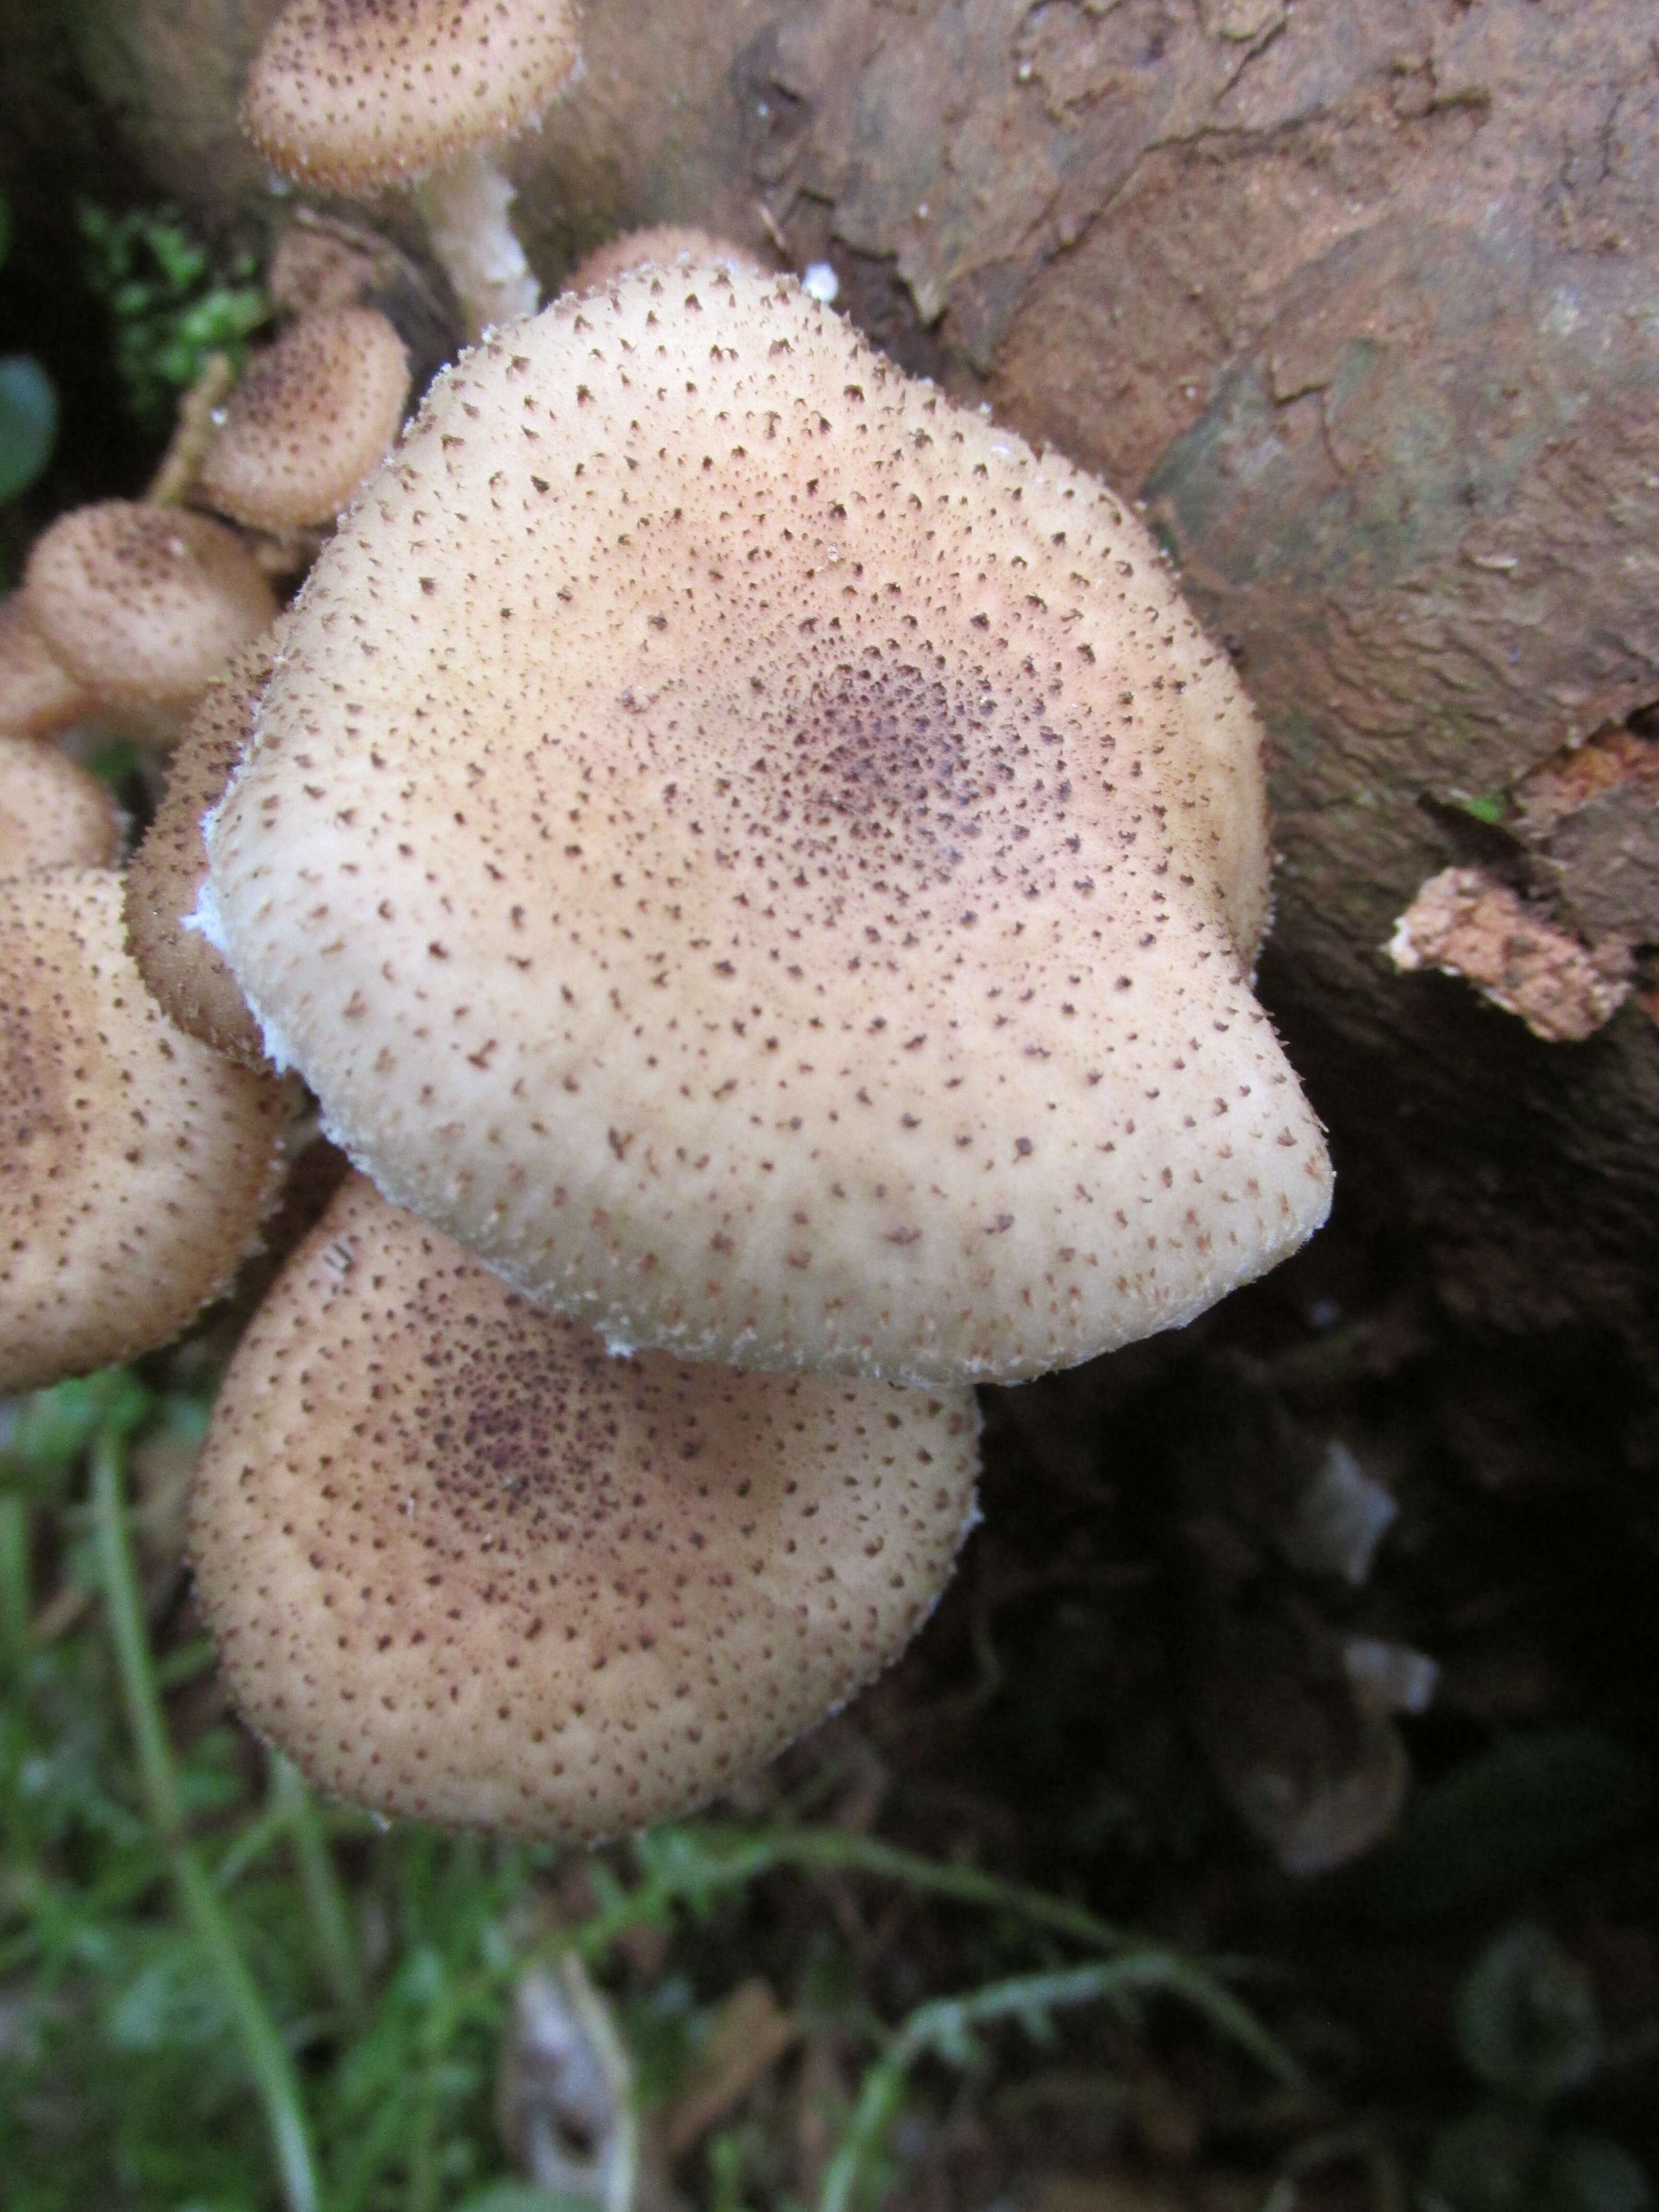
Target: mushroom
[(183, 971), (144, 604), (769, 861), (37, 695), (140, 1161), (663, 244), (352, 94), (463, 1565), (310, 420), (54, 813)]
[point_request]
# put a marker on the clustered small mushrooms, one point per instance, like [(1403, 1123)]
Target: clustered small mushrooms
[(54, 813), (352, 95), (313, 416), (141, 1162), (143, 606)]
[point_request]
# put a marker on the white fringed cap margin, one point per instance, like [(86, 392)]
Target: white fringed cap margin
[(769, 861)]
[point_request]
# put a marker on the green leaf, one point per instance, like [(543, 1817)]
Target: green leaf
[(29, 423), (1592, 2173), (524, 2197), (1528, 1801), (1484, 2163), (1527, 2022)]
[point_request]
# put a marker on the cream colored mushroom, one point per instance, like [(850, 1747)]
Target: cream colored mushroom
[(769, 861), (463, 1565), (663, 244), (142, 605), (313, 415), (54, 813), (37, 695), (184, 974), (351, 95), (139, 1162)]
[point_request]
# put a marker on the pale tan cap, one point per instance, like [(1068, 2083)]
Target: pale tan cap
[(184, 971), (352, 94), (139, 1162), (463, 1565), (144, 604), (38, 695), (769, 862), (314, 416), (662, 244), (54, 813)]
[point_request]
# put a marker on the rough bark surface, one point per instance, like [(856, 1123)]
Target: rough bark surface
[(1361, 302)]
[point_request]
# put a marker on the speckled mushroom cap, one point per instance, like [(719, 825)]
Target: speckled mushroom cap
[(313, 415), (185, 975), (54, 813), (144, 604), (38, 695), (769, 861), (139, 1162), (464, 1566), (351, 93), (662, 243)]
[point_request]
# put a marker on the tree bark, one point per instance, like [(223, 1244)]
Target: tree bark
[(1361, 302)]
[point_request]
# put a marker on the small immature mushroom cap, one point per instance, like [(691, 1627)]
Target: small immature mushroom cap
[(54, 813), (769, 861), (463, 1565), (347, 94), (183, 972), (38, 695), (315, 415), (144, 604), (663, 244), (140, 1163)]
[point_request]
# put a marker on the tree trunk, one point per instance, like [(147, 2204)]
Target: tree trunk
[(1361, 302)]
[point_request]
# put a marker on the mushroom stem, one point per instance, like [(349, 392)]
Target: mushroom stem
[(463, 204)]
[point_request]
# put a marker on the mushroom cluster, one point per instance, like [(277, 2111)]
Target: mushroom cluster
[(761, 872)]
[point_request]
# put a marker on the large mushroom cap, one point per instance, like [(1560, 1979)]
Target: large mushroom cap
[(183, 972), (769, 861), (663, 243), (139, 1162), (144, 604), (54, 813), (464, 1566), (312, 418), (352, 94)]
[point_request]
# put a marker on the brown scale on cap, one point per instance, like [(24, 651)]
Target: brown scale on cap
[(352, 94), (38, 695), (315, 415), (183, 972), (663, 243), (769, 861), (139, 1162), (144, 604), (464, 1566), (54, 813)]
